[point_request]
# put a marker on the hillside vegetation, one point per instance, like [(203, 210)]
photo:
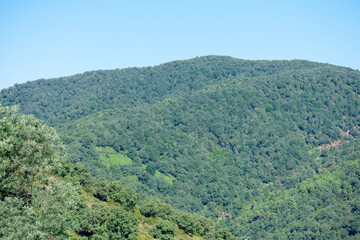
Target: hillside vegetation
[(269, 149), (44, 197)]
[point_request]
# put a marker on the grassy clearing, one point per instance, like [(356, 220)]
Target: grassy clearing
[(315, 152), (169, 178), (110, 157), (132, 179), (220, 154)]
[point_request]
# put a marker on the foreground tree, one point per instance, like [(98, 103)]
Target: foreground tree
[(28, 151), (32, 203), (36, 203)]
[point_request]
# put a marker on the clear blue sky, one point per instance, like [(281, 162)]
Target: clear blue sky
[(44, 39)]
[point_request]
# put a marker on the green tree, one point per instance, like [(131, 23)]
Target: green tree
[(153, 207), (151, 168), (122, 225), (28, 150), (32, 203), (163, 230)]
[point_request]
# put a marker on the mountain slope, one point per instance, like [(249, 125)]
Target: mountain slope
[(211, 135)]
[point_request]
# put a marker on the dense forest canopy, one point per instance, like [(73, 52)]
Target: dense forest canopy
[(269, 149)]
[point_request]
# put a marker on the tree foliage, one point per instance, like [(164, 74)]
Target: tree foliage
[(163, 230), (28, 150), (31, 203)]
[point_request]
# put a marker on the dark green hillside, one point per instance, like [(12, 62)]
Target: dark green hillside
[(68, 98), (265, 147)]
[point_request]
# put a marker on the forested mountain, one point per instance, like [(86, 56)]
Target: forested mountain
[(270, 149)]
